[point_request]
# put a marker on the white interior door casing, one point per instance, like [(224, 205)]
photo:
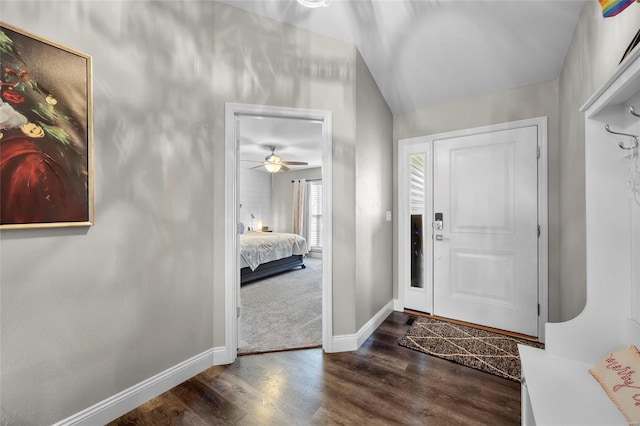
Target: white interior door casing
[(232, 274), (486, 256)]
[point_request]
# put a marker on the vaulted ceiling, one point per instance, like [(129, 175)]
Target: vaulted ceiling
[(428, 52)]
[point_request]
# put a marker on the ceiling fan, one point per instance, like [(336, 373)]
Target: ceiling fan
[(273, 163)]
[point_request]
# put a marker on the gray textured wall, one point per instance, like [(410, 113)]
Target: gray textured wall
[(282, 197), (259, 61), (517, 104), (596, 48), (87, 313), (374, 155)]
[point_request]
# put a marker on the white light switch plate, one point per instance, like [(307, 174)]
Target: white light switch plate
[(388, 216)]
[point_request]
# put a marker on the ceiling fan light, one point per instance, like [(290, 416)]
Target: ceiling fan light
[(314, 3), (272, 167), (273, 158)]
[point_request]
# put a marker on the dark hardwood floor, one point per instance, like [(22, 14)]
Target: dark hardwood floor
[(380, 384)]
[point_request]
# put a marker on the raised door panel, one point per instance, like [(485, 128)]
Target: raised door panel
[(482, 202)]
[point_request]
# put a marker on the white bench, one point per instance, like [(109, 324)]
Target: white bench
[(560, 391)]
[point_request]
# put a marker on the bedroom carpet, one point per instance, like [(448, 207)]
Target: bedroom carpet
[(483, 350), (283, 311)]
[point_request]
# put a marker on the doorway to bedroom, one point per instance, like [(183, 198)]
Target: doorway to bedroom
[(282, 228)]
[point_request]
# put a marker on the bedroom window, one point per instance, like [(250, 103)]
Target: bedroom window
[(315, 215)]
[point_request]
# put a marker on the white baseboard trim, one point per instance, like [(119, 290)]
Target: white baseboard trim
[(351, 342), (371, 325), (221, 356), (125, 401), (345, 343), (398, 306)]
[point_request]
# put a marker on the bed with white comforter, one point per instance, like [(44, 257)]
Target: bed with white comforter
[(272, 252)]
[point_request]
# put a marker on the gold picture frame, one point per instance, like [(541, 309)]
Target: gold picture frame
[(46, 133)]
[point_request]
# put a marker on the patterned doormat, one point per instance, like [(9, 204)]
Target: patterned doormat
[(483, 350)]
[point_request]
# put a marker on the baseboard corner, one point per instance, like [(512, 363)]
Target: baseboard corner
[(351, 342), (371, 325), (398, 306), (221, 356)]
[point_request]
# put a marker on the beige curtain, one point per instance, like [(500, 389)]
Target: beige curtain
[(299, 189)]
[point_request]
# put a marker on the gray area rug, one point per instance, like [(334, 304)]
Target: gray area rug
[(483, 350), (283, 311)]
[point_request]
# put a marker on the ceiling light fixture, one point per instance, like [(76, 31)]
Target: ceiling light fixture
[(314, 3), (273, 167), (273, 164)]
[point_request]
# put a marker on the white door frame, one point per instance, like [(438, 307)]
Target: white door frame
[(232, 272), (413, 147), (543, 210)]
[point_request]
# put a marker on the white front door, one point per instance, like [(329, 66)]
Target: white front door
[(485, 196)]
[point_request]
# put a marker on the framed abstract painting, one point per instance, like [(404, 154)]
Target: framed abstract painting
[(46, 133)]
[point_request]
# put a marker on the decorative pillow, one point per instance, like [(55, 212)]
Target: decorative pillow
[(619, 376)]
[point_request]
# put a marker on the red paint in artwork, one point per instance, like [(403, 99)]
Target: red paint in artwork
[(12, 96), (36, 184)]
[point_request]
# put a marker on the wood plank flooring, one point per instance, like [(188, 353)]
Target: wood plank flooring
[(380, 384)]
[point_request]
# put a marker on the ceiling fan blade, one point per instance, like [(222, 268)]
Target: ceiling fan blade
[(284, 168), (295, 163), (252, 161), (257, 167)]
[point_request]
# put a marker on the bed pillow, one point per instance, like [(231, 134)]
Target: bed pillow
[(619, 376)]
